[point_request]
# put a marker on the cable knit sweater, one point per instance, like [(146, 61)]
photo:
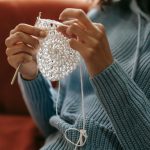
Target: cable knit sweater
[(117, 100)]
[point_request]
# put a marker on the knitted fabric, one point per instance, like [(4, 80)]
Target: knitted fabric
[(55, 58)]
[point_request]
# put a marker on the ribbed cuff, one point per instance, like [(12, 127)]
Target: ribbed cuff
[(110, 85), (38, 81)]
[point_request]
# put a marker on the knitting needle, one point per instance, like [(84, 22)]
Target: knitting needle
[(18, 68), (15, 74)]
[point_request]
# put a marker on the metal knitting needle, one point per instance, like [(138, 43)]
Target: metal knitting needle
[(18, 68)]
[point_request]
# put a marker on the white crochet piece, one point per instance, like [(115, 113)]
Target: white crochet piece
[(55, 58)]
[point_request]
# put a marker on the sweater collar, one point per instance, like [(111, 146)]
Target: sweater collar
[(136, 9)]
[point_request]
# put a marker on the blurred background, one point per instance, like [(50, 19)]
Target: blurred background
[(17, 129)]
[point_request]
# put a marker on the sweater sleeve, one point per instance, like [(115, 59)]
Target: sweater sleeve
[(39, 95), (126, 105)]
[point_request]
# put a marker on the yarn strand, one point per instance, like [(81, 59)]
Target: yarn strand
[(83, 135)]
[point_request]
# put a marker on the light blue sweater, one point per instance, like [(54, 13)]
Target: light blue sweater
[(117, 100)]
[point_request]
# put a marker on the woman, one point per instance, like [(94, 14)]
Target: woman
[(116, 53)]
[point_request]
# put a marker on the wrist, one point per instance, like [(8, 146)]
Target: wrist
[(96, 69)]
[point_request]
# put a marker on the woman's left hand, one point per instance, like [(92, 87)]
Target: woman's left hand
[(88, 38)]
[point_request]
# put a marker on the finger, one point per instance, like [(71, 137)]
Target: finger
[(70, 22), (16, 60), (83, 36), (20, 48), (22, 37), (99, 33), (28, 29), (70, 13), (80, 47), (63, 30)]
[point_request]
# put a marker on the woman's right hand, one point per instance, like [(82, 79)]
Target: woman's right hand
[(22, 45)]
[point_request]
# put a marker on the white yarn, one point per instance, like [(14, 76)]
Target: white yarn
[(56, 60), (83, 135)]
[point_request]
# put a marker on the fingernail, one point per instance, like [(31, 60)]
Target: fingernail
[(43, 33), (60, 17), (58, 29)]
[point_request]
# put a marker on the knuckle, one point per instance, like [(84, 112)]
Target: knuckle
[(21, 46), (96, 45), (13, 61), (102, 34), (19, 35), (92, 53), (73, 27), (80, 13), (99, 36), (11, 31), (89, 54), (102, 27), (36, 43), (8, 59), (101, 31), (7, 51), (20, 26), (36, 31), (28, 58), (33, 53), (22, 57), (25, 58), (7, 41), (71, 42), (75, 21), (66, 9)]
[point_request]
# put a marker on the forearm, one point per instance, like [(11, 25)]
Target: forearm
[(126, 105), (39, 97)]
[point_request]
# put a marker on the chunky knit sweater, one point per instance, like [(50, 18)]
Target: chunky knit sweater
[(117, 100)]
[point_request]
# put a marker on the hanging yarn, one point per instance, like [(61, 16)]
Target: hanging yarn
[(56, 59)]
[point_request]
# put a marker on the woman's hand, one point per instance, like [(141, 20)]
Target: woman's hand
[(22, 45), (88, 38)]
